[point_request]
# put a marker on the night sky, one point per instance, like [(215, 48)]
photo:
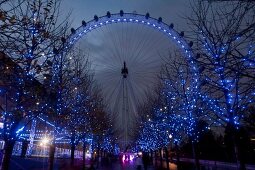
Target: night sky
[(171, 11)]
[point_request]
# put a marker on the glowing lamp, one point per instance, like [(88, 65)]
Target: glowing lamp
[(44, 141)]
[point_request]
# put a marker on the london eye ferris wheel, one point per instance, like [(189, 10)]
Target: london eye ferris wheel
[(126, 52)]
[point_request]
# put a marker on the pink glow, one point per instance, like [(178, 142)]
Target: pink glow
[(131, 157)]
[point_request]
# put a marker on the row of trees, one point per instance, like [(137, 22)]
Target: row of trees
[(223, 38), (25, 36), (32, 36)]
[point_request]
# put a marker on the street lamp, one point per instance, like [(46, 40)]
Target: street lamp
[(170, 137), (44, 141)]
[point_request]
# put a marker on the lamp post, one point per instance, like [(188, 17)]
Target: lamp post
[(170, 147), (44, 143)]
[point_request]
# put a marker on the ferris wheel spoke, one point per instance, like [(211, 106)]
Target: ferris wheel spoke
[(133, 98), (134, 43), (150, 57), (104, 68), (144, 41), (114, 90), (117, 101), (126, 41), (118, 46), (108, 72), (122, 42), (138, 89), (112, 44), (105, 59), (129, 41), (139, 47), (145, 77), (147, 48), (146, 86), (112, 51), (144, 72)]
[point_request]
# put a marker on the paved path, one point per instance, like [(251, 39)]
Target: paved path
[(122, 166), (63, 164), (18, 163)]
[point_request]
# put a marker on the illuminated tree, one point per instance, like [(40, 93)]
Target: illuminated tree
[(29, 31), (177, 109), (100, 123), (183, 109), (79, 100), (76, 98), (224, 39), (22, 99), (152, 134)]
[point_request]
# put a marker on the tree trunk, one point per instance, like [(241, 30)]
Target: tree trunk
[(151, 158), (195, 156), (242, 143), (97, 155), (161, 157), (234, 146), (8, 147), (51, 156), (83, 155), (155, 157), (178, 157), (167, 160), (72, 154)]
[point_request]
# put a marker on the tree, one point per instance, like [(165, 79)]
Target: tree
[(99, 119), (176, 108), (224, 38), (153, 122), (76, 98), (32, 32), (29, 31), (182, 106), (22, 100)]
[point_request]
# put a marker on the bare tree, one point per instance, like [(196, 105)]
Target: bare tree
[(31, 32)]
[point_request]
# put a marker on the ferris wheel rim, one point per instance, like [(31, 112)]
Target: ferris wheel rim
[(98, 22), (145, 20)]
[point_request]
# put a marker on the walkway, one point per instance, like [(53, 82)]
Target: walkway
[(120, 166), (18, 163)]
